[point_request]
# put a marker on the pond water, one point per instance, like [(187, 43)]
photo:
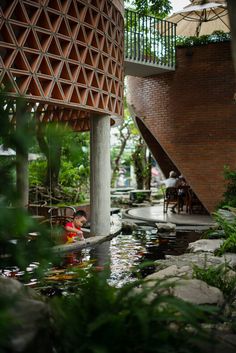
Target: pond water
[(119, 259), (124, 253)]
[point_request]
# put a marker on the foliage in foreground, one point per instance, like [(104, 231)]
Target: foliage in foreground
[(104, 319)]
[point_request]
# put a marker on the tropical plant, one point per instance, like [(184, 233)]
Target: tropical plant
[(17, 249), (217, 276), (71, 169), (126, 136), (226, 229), (230, 188), (142, 165), (100, 318), (160, 8), (215, 37), (229, 245), (37, 172), (57, 143)]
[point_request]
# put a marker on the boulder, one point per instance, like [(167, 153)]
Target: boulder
[(230, 258), (205, 245), (27, 313), (197, 292), (128, 226), (228, 215), (166, 227), (171, 271), (200, 259)]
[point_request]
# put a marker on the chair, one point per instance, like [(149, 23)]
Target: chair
[(59, 216), (184, 197), (170, 197), (195, 205), (35, 207)]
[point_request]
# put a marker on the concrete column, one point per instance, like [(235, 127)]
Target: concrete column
[(22, 178), (100, 175)]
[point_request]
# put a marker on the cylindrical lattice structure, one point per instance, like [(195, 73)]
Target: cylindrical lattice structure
[(65, 55), (187, 117)]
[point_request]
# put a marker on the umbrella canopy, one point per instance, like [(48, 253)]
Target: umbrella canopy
[(10, 152), (201, 18), (6, 151)]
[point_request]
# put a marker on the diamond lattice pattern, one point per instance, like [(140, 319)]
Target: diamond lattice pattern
[(63, 53)]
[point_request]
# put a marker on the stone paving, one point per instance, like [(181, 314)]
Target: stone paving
[(155, 214)]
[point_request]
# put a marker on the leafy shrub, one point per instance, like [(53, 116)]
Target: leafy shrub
[(229, 245), (216, 36), (225, 227), (104, 319), (69, 175), (216, 276), (226, 230), (37, 171), (230, 192)]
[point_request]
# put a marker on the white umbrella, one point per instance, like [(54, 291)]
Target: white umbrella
[(10, 152), (6, 151), (201, 17)]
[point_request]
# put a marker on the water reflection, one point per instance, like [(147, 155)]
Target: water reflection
[(126, 252), (120, 257)]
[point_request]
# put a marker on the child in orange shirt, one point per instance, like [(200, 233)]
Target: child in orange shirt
[(73, 229)]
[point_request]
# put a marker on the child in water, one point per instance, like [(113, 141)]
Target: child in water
[(73, 230)]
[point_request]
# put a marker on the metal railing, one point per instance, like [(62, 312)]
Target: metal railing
[(149, 39)]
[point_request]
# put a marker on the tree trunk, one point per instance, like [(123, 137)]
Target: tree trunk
[(22, 179), (148, 174), (51, 147), (124, 138), (138, 160), (142, 166)]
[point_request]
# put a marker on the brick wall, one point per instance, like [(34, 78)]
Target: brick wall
[(119, 4), (192, 116)]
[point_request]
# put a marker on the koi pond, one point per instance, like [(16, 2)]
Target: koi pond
[(118, 259)]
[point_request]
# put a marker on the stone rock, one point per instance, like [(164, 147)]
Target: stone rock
[(9, 286), (207, 245), (166, 272), (171, 271), (197, 292), (230, 258), (221, 343), (140, 204), (189, 259), (191, 290), (166, 227), (128, 226), (28, 313), (226, 214)]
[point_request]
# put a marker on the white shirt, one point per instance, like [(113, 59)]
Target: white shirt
[(170, 182)]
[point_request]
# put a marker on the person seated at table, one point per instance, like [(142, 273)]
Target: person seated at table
[(73, 230), (171, 182), (182, 189)]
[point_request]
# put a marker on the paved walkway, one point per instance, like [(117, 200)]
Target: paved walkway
[(155, 214)]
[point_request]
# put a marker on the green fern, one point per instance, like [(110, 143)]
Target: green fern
[(217, 276)]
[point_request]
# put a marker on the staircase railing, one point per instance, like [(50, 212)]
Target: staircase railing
[(149, 39)]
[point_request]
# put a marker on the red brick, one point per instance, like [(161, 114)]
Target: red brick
[(190, 117)]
